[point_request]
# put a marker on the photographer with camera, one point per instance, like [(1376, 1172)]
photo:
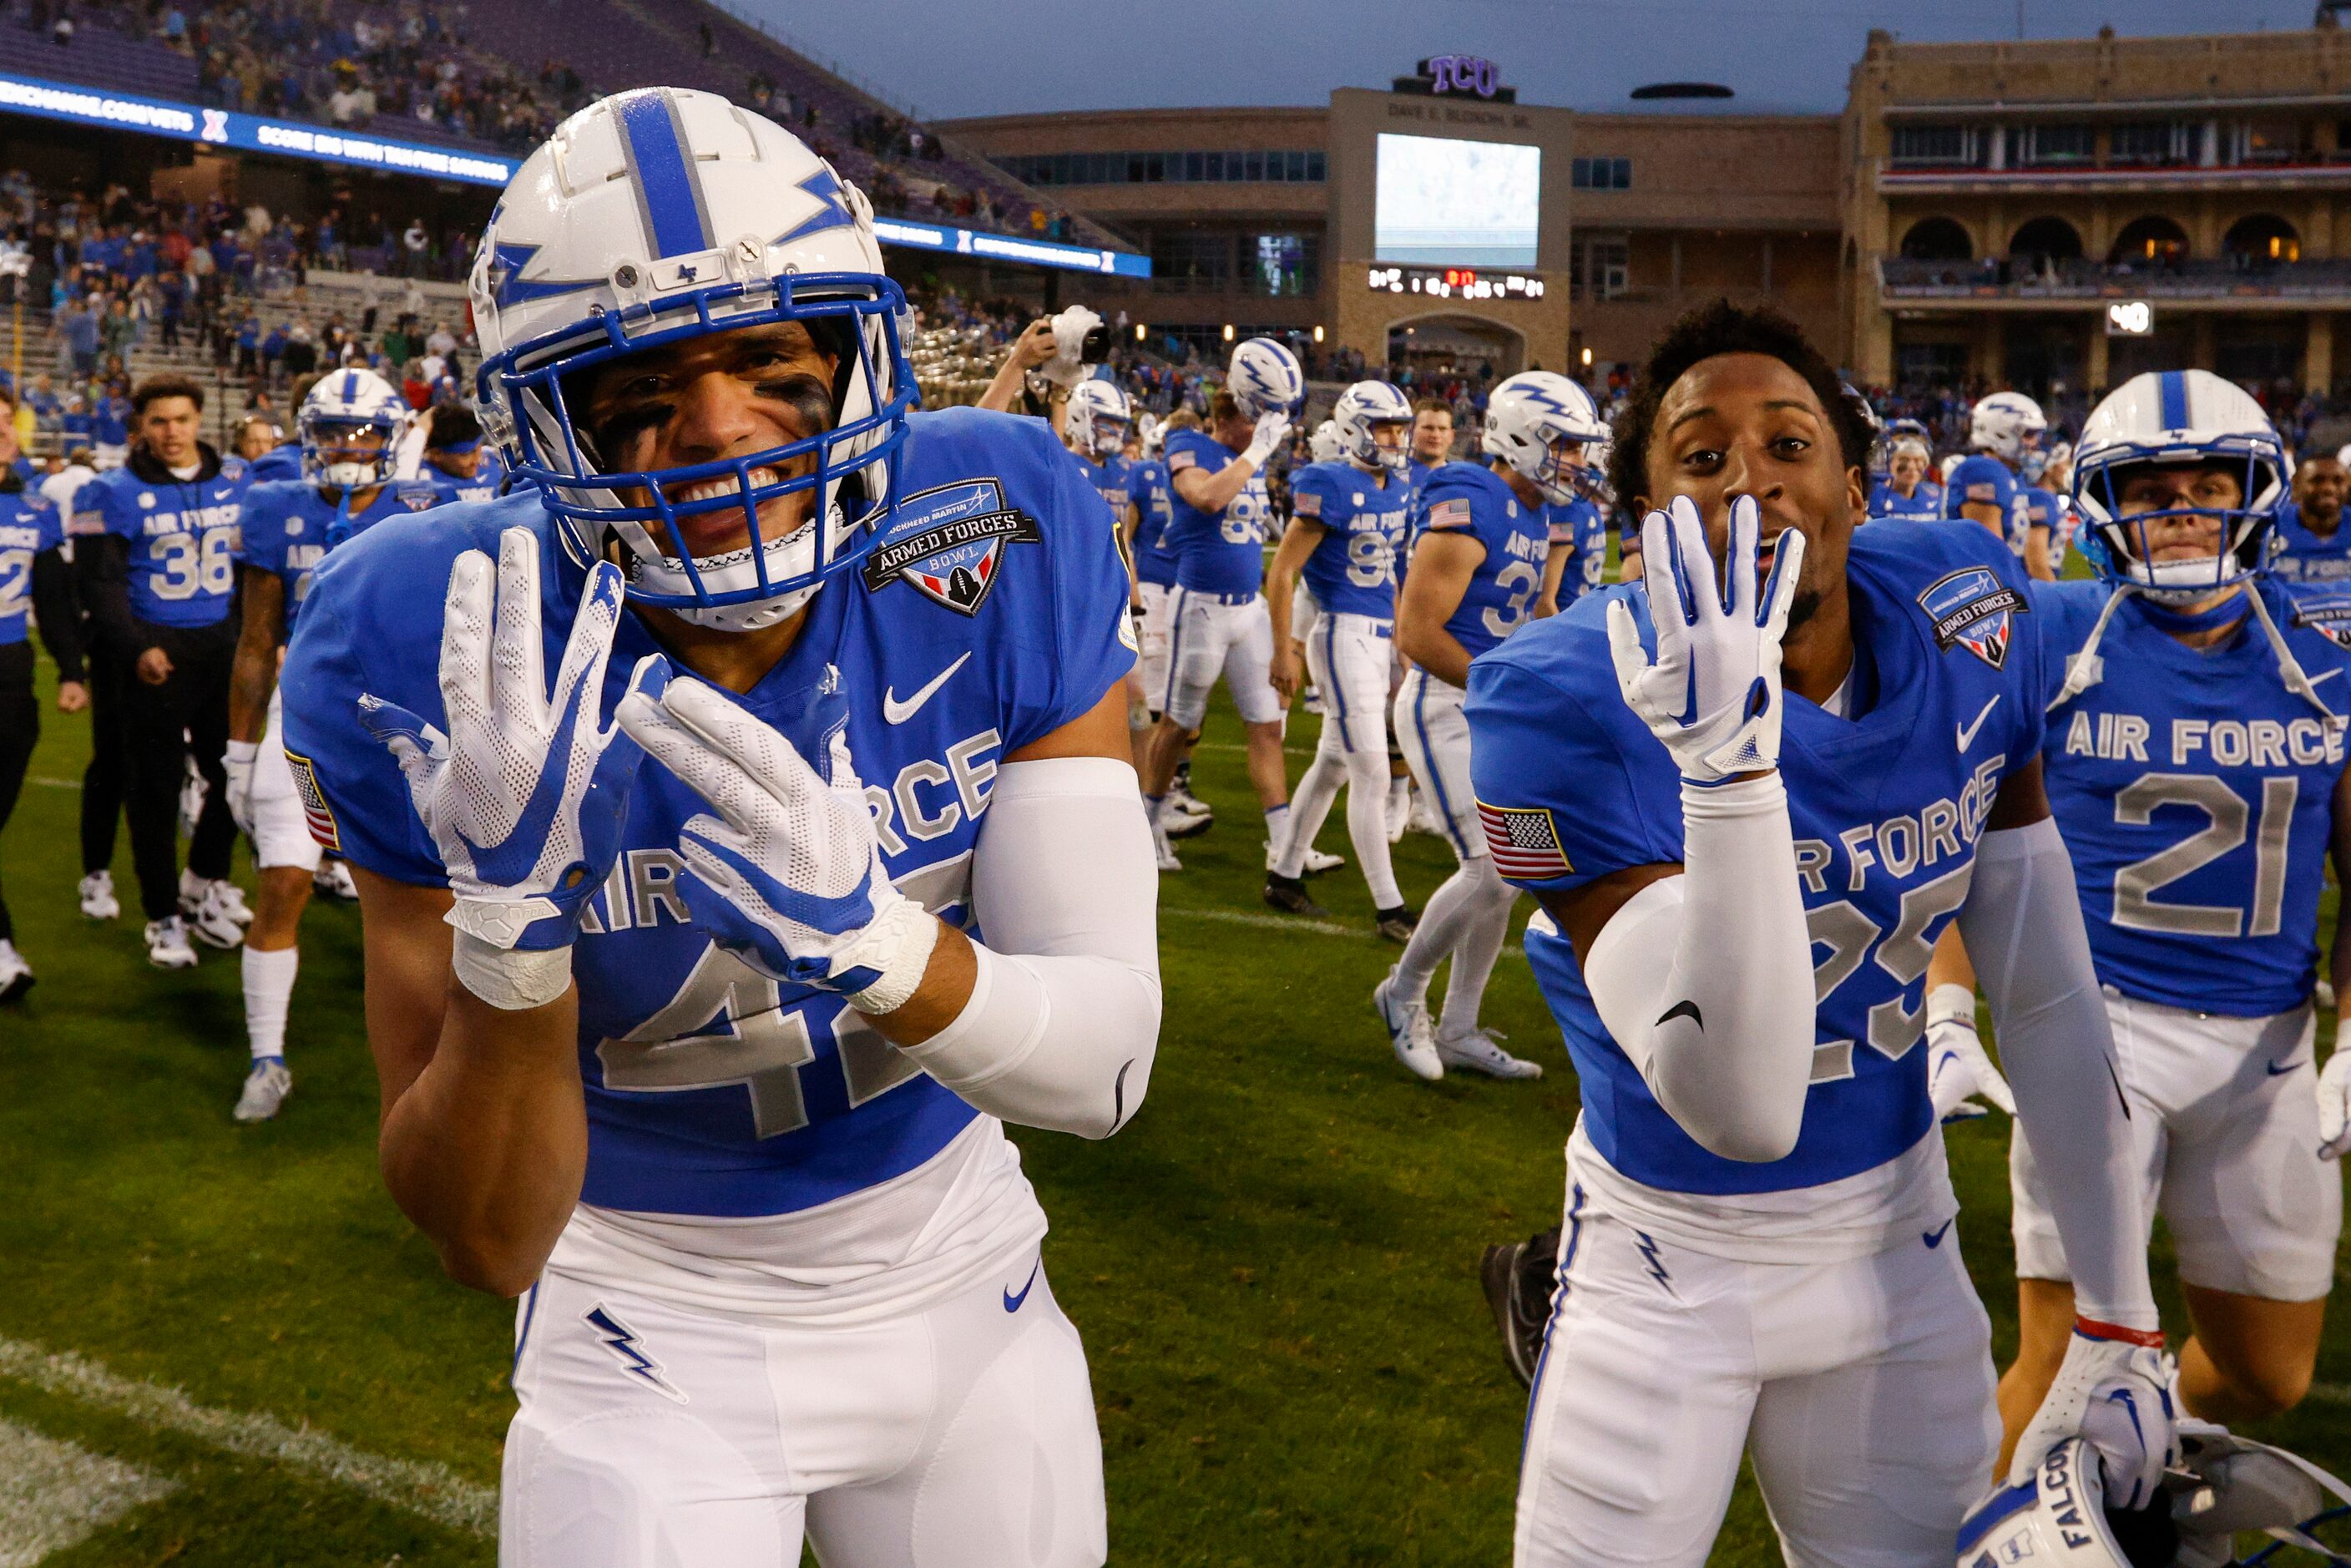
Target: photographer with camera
[(1053, 355)]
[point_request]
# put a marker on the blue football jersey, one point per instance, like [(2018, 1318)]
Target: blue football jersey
[(1984, 480), (1579, 528), (182, 542), (1352, 570), (2297, 555), (290, 526), (1571, 786), (2196, 796), (1110, 475), (281, 462), (28, 525), (482, 486), (1471, 498), (1215, 552), (992, 613), (1924, 503), (1146, 492)]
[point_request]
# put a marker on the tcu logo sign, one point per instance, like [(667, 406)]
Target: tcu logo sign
[(1462, 74)]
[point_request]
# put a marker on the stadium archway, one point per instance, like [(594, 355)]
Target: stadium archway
[(2152, 240), (1456, 343), (2043, 239), (1937, 239), (2262, 237)]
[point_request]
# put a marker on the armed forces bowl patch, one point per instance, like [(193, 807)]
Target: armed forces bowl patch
[(2329, 615), (1970, 609), (948, 544)]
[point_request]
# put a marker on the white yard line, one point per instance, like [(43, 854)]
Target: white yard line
[(430, 1490), (55, 783), (54, 1495), (2330, 1393)]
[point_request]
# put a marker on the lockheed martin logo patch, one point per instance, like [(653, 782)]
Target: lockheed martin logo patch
[(1970, 609), (948, 544)]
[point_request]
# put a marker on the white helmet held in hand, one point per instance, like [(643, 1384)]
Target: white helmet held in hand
[(1265, 378), (2004, 424), (1324, 445), (1545, 427), (344, 403), (664, 214), (1096, 419), (1363, 410), (2173, 418)]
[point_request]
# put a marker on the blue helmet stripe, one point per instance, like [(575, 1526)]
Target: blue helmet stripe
[(667, 190), (2174, 385), (350, 385)]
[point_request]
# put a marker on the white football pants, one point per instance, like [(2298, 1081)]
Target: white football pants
[(2224, 1127), (1348, 657), (280, 834), (1158, 604), (1214, 634), (1861, 1388), (960, 1436)]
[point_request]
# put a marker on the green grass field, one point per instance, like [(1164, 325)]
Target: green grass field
[(1274, 1266)]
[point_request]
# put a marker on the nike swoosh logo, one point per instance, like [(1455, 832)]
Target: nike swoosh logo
[(1968, 732), (1682, 1009), (2276, 1070), (1011, 1302), (898, 712), (1935, 1237), (2326, 676)]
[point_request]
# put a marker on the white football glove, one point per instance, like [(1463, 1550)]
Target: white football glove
[(2335, 1105), (2116, 1393), (237, 762), (1271, 429), (525, 795), (787, 874), (1712, 693), (1960, 1077)]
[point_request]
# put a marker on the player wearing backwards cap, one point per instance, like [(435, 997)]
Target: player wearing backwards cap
[(1748, 792), (751, 830), (349, 426), (1219, 625), (2195, 763)]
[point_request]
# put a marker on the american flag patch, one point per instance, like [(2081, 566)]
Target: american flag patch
[(317, 815), (1307, 503), (1179, 461), (1524, 841), (1453, 513)]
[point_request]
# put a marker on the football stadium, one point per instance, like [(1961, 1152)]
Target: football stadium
[(940, 790)]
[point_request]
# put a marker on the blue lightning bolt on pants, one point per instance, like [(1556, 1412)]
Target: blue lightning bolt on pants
[(1862, 1386)]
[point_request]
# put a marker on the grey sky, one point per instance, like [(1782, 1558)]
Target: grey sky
[(1003, 56)]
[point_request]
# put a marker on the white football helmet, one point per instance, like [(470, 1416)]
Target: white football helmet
[(1096, 419), (343, 403), (1324, 445), (1546, 428), (2005, 425), (2170, 418), (662, 214), (2224, 1484), (1265, 378), (1363, 409)]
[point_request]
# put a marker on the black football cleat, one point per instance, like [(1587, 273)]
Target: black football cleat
[(1289, 894), (1519, 1278)]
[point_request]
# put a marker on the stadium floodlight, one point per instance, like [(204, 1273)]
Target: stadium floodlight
[(1317, 331), (1229, 331)]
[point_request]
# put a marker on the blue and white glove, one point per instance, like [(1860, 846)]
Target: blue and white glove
[(1712, 693), (1960, 1078), (2114, 1389), (524, 796), (787, 873)]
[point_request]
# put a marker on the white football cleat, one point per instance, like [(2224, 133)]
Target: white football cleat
[(1311, 700), (1399, 812), (167, 944), (225, 896), (1477, 1052), (1410, 1033), (333, 879), (97, 894), (1167, 860), (16, 975), (1317, 862), (1181, 798), (266, 1088), (215, 921)]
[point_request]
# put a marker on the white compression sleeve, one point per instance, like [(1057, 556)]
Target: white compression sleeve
[(2022, 925), (1706, 979), (1064, 1019)]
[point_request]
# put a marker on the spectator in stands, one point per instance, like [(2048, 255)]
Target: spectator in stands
[(301, 349), (417, 245)]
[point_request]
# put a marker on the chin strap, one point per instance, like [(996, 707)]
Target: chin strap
[(2086, 668), (339, 528)]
